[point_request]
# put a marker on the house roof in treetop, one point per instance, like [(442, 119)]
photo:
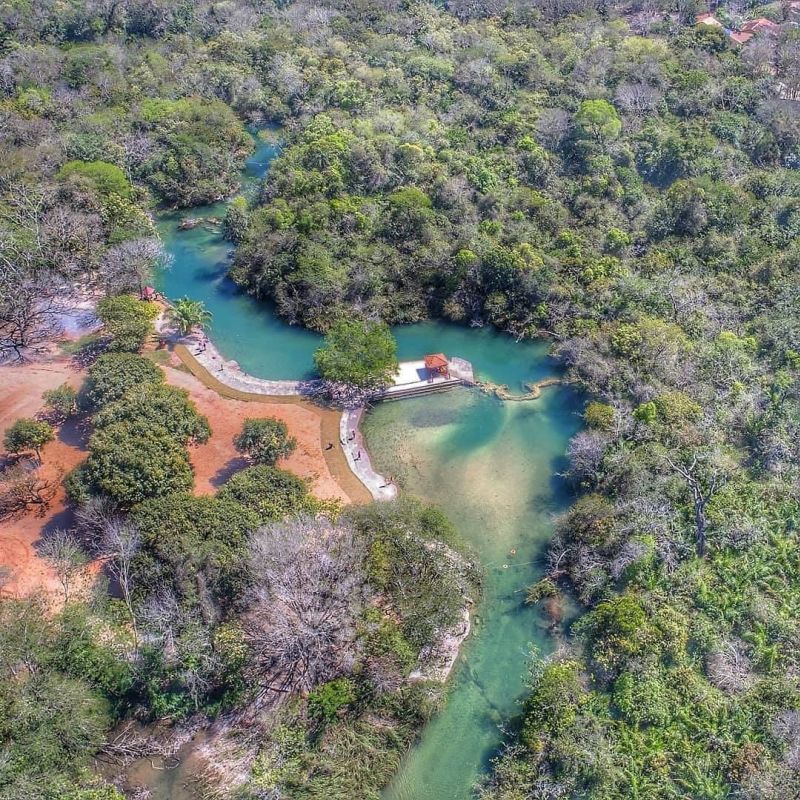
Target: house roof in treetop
[(760, 24)]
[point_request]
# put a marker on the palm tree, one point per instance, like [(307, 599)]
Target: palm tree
[(188, 314)]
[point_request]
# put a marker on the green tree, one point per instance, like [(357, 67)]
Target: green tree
[(61, 402), (264, 440), (598, 120), (107, 179), (326, 701), (188, 314), (153, 406), (269, 492), (195, 545), (28, 434), (113, 374), (357, 353), (127, 321), (130, 466)]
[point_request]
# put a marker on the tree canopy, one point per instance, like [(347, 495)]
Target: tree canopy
[(357, 353)]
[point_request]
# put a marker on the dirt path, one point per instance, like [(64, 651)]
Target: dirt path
[(215, 461), (21, 389)]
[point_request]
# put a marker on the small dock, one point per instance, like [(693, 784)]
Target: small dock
[(419, 377)]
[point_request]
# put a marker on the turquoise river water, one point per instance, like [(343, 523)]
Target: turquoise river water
[(490, 465)]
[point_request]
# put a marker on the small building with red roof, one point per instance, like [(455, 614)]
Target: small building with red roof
[(708, 19), (761, 25)]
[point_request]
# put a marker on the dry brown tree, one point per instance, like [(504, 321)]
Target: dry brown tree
[(309, 589)]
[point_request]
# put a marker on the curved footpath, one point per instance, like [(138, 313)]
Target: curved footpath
[(197, 350)]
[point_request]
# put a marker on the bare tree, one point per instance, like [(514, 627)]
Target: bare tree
[(729, 668), (120, 544), (22, 489), (309, 589), (129, 266), (704, 476), (62, 551), (31, 313)]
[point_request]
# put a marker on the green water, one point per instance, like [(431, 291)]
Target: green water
[(490, 465)]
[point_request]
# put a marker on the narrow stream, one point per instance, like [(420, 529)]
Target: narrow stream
[(489, 465)]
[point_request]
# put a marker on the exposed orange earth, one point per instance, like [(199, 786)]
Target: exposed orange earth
[(21, 389), (215, 461)]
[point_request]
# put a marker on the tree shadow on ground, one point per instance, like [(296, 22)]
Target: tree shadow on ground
[(225, 472)]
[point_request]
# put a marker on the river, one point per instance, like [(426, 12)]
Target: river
[(491, 466)]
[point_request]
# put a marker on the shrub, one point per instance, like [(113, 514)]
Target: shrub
[(130, 466), (361, 354), (269, 492), (28, 434), (113, 374), (62, 402), (264, 440), (128, 321), (327, 700), (153, 406)]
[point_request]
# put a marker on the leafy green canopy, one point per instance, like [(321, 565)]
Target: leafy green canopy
[(113, 374), (154, 406), (127, 321), (270, 493), (28, 434), (106, 178), (361, 354), (264, 440)]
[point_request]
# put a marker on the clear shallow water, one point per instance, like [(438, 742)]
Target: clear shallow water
[(489, 465)]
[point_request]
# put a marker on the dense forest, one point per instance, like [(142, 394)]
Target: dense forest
[(611, 176)]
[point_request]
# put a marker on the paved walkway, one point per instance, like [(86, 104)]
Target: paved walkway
[(355, 450), (231, 374)]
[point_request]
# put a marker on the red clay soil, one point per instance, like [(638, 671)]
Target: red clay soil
[(215, 461), (21, 391)]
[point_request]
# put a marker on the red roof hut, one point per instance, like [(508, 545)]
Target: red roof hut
[(437, 364)]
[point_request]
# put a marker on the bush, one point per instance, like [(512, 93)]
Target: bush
[(154, 406), (113, 374), (28, 434), (264, 440), (327, 700), (130, 466), (361, 354), (61, 402), (106, 178), (128, 322), (268, 492)]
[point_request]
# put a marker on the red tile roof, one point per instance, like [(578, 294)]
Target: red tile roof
[(760, 24), (436, 361)]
